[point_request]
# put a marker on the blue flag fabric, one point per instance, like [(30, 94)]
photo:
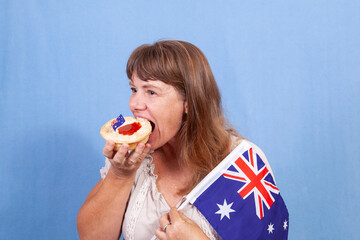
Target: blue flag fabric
[(240, 200)]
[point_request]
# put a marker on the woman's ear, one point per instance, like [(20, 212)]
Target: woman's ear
[(185, 107)]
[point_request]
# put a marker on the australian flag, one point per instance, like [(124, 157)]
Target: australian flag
[(240, 200)]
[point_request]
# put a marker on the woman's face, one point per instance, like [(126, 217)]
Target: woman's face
[(161, 104)]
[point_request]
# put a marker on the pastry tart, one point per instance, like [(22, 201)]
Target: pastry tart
[(129, 130)]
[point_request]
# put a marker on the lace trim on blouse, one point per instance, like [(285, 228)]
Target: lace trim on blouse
[(141, 196)]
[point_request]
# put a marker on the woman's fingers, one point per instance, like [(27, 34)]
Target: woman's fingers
[(184, 218), (138, 155), (123, 161), (160, 234), (180, 227), (164, 222), (120, 155), (175, 216), (108, 149)]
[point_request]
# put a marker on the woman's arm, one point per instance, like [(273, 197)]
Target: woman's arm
[(101, 215)]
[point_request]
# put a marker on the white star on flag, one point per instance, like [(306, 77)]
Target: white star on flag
[(271, 228), (225, 210), (285, 225)]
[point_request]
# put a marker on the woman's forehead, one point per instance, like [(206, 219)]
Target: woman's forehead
[(148, 83)]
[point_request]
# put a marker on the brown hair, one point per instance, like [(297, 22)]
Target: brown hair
[(205, 136)]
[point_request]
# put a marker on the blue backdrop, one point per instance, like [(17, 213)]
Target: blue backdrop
[(289, 73)]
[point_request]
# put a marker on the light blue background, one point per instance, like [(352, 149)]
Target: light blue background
[(289, 73)]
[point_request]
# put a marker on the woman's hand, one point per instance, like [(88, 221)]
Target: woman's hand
[(178, 226), (124, 163)]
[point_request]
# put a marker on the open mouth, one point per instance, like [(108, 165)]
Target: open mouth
[(152, 126)]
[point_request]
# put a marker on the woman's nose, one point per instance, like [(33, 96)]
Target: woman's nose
[(137, 103)]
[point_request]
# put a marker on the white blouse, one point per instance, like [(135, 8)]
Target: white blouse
[(147, 205)]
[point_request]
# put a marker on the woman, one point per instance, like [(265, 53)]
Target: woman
[(173, 87)]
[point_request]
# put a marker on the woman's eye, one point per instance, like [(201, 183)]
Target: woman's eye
[(151, 92), (134, 90)]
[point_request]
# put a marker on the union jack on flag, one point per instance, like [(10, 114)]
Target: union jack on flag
[(240, 199), (247, 170)]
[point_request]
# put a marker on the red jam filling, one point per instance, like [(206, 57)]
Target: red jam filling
[(129, 129)]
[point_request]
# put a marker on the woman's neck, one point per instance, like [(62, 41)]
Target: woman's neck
[(172, 176), (167, 158)]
